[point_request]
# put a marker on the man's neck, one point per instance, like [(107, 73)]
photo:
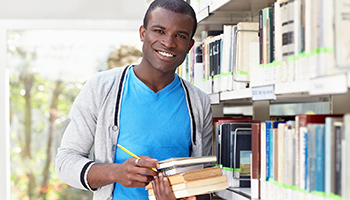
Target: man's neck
[(154, 79)]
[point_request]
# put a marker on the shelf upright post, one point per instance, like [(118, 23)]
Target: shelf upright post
[(218, 109), (261, 110), (340, 103)]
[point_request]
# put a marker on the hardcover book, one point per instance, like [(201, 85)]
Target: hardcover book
[(185, 161), (195, 184), (197, 190), (192, 175)]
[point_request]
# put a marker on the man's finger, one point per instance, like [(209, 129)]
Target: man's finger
[(148, 163)]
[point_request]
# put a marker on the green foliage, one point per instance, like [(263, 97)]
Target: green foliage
[(27, 170)]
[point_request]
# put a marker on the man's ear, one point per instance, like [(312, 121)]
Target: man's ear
[(190, 45), (142, 31)]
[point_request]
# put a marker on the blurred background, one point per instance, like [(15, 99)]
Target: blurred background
[(48, 49)]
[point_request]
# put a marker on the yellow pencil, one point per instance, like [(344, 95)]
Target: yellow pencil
[(130, 153), (127, 151)]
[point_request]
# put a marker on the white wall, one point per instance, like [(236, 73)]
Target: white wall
[(72, 9)]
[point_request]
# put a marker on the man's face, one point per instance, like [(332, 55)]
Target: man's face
[(167, 39)]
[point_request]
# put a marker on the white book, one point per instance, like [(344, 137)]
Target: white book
[(278, 41), (225, 65), (312, 35), (282, 149), (287, 31), (297, 37), (263, 161), (289, 157), (255, 75), (198, 75), (327, 62), (342, 37), (247, 32), (232, 57), (302, 131)]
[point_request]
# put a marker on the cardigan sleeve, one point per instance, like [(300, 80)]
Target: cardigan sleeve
[(207, 128), (72, 161)]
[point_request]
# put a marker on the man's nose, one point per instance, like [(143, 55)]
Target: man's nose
[(168, 41)]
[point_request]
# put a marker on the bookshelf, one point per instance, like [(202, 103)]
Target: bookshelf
[(331, 88)]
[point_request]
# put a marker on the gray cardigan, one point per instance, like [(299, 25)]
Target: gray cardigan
[(94, 127)]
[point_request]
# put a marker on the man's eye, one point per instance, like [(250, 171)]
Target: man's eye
[(181, 36), (159, 31)]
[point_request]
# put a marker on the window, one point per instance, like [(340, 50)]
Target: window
[(46, 70)]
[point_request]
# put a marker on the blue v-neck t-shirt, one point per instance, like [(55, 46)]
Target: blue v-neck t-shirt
[(152, 124)]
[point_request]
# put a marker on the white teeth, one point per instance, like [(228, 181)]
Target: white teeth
[(165, 54)]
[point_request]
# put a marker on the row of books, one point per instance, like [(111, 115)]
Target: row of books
[(301, 40), (307, 157), (294, 40), (233, 148)]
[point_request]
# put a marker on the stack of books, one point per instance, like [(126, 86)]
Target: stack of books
[(188, 177)]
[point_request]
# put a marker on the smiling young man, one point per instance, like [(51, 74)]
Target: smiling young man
[(146, 108)]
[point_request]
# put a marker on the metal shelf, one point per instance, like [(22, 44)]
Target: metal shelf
[(315, 90)]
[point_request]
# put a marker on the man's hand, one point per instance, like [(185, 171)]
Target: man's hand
[(132, 175), (127, 173), (162, 189)]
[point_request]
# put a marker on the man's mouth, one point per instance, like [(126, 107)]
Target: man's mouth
[(165, 54)]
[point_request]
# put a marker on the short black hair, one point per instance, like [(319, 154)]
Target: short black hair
[(177, 6)]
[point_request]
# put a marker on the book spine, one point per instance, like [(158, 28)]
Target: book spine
[(268, 127), (320, 162), (338, 159), (261, 23), (346, 161), (263, 161), (255, 172)]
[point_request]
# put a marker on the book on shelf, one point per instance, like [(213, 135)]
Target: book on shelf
[(247, 32), (216, 62), (280, 155), (216, 137), (341, 36), (302, 121), (330, 147), (235, 151), (263, 161), (287, 153), (319, 133), (271, 124), (227, 57), (339, 158), (315, 157), (255, 164), (185, 161), (346, 156)]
